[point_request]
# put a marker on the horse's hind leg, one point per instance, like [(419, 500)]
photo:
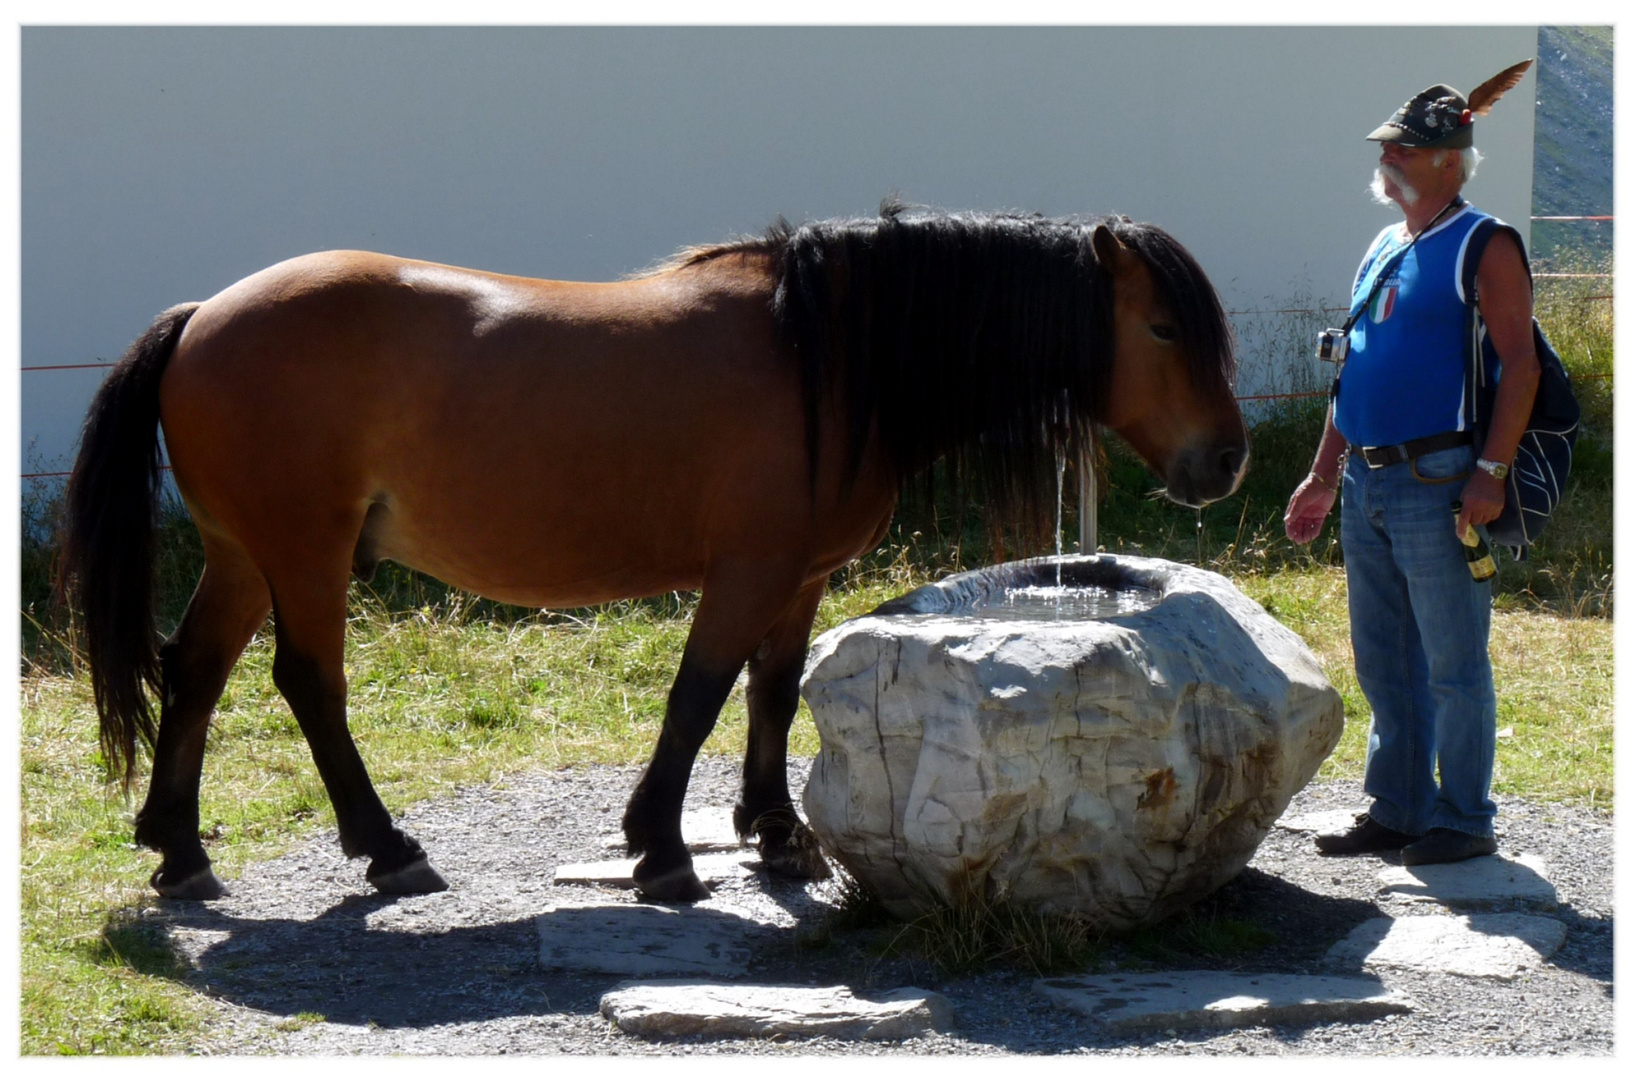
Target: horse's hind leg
[(309, 620), (229, 605), (787, 844)]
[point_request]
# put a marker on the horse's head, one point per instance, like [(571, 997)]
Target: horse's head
[(1170, 394)]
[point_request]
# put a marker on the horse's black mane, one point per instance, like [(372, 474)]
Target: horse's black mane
[(984, 340)]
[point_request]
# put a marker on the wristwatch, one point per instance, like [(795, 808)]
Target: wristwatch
[(1497, 468)]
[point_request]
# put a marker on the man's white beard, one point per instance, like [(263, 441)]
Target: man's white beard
[(1395, 176)]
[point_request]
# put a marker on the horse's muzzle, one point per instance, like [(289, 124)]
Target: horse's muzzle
[(1201, 475)]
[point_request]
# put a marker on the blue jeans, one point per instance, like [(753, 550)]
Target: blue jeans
[(1419, 625)]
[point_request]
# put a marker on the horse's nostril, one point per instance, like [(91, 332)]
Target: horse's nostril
[(1231, 459)]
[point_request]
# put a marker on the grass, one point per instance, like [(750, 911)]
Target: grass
[(980, 933), (447, 689)]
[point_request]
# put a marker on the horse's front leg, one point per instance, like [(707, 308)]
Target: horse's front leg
[(732, 618), (652, 820), (309, 623), (787, 845)]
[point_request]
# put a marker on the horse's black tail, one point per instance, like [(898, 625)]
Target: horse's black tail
[(107, 550)]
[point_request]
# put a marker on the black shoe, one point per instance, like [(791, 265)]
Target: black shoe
[(1365, 836), (1447, 845)]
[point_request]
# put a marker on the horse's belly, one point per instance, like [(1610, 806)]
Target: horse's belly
[(611, 519), (540, 567)]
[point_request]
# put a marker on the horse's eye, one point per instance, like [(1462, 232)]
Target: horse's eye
[(1163, 331)]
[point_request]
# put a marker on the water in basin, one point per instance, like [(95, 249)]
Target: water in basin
[(1047, 603)]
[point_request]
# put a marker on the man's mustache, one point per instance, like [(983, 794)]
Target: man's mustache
[(1394, 174)]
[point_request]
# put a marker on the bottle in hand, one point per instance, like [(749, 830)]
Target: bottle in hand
[(1476, 552)]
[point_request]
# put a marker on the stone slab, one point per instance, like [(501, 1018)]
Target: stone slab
[(708, 829), (1491, 879), (619, 873), (1318, 822), (675, 1007), (644, 939), (1495, 945), (1221, 999)]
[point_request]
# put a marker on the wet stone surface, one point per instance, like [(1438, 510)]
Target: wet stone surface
[(303, 937)]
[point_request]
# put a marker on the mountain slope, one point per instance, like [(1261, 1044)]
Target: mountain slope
[(1572, 147)]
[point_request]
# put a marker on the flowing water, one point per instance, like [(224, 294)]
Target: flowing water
[(1060, 482), (1047, 603)]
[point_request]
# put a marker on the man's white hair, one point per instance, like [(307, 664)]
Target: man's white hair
[(1469, 159)]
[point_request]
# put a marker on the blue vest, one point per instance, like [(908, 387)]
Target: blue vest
[(1405, 375)]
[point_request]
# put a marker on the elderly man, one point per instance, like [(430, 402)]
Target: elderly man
[(1397, 452)]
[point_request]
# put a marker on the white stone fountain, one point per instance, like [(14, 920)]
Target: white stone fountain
[(1118, 762)]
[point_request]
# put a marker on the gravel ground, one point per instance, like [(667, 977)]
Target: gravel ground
[(305, 958)]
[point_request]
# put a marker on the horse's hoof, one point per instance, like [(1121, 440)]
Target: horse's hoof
[(797, 856), (199, 885), (677, 886), (411, 880)]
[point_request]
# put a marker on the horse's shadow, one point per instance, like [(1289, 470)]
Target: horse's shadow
[(340, 968)]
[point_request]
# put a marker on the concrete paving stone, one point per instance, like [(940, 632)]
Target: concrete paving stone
[(1320, 821), (675, 1007), (1494, 945), (711, 869), (1490, 879), (1221, 999), (614, 873), (708, 829), (645, 939)]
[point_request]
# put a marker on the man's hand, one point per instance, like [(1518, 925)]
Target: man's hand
[(1483, 500), (1307, 509)]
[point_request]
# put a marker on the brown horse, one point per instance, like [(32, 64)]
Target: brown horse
[(739, 421)]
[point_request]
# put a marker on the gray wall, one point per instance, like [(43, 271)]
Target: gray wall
[(161, 164)]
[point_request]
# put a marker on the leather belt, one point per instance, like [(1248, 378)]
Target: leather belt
[(1377, 457)]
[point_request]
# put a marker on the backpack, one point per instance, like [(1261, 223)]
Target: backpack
[(1543, 457)]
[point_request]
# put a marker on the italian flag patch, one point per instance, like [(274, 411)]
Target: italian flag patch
[(1383, 304)]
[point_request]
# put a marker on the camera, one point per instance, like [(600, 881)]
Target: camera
[(1332, 345)]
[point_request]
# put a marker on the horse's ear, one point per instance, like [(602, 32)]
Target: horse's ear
[(1109, 250)]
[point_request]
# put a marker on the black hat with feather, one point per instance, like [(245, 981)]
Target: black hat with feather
[(1442, 118)]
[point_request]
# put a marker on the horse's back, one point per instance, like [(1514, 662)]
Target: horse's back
[(544, 441)]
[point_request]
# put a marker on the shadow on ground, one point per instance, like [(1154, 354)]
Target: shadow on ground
[(340, 967)]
